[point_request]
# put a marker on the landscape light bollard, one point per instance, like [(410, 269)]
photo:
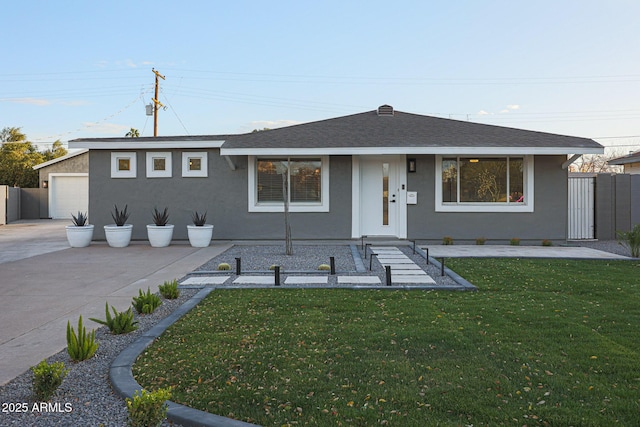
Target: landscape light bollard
[(362, 245), (387, 270), (427, 249), (276, 274), (332, 263), (414, 247), (238, 266), (442, 266)]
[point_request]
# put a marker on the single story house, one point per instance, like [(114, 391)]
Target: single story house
[(66, 183), (631, 162), (377, 173)]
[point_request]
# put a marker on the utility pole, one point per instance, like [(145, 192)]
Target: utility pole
[(156, 104)]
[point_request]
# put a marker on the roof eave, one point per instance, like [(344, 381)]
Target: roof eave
[(59, 159), (135, 145), (337, 151)]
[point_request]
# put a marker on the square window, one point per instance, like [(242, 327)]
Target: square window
[(194, 164), (158, 164), (123, 165)]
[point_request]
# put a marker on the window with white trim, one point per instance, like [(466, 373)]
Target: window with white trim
[(123, 164), (194, 164), (158, 164), (484, 184), (308, 179)]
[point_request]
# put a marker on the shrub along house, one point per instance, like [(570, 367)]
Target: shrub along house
[(377, 173)]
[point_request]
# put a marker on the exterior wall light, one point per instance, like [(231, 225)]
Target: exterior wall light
[(411, 165)]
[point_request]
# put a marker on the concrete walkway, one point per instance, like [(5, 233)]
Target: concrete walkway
[(44, 283), (494, 251)]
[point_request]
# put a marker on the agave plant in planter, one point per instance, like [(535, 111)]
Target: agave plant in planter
[(118, 235), (200, 232), (80, 233), (160, 232)]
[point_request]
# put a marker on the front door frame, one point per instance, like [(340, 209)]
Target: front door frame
[(400, 161)]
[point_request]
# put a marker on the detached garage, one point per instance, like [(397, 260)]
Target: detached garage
[(67, 182)]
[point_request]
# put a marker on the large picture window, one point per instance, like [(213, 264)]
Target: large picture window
[(308, 183), (484, 183)]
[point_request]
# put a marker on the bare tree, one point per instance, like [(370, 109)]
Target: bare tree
[(598, 163)]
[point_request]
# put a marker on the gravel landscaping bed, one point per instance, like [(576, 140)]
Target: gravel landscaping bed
[(86, 389), (304, 258), (307, 258)]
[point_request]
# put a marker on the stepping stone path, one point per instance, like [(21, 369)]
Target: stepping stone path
[(205, 280), (403, 269)]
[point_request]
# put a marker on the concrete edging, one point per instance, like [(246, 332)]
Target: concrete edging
[(125, 385)]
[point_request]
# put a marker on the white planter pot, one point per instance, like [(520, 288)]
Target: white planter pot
[(200, 235), (79, 237), (118, 236), (159, 235)]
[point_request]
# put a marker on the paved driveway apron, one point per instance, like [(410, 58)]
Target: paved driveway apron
[(44, 283)]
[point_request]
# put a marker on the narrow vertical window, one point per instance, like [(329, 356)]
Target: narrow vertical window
[(385, 194), (449, 180)]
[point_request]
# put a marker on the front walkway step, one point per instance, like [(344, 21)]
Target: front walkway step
[(306, 280), (403, 269), (358, 280), (209, 280), (254, 280)]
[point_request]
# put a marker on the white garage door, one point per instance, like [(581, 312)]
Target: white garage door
[(68, 195)]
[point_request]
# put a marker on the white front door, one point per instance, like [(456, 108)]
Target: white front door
[(382, 196)]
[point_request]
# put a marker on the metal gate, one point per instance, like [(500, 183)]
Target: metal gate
[(581, 207)]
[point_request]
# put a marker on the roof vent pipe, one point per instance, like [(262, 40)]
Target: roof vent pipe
[(385, 110)]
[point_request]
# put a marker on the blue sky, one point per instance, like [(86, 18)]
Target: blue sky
[(77, 69)]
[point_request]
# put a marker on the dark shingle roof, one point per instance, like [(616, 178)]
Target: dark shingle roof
[(395, 132), (629, 158), (400, 130)]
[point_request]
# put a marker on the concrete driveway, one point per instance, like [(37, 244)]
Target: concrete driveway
[(44, 283)]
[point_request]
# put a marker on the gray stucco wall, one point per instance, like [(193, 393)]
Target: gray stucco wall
[(548, 221), (77, 164), (223, 194)]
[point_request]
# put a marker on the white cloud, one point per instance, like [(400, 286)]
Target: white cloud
[(483, 113), (513, 107), (29, 101), (504, 111)]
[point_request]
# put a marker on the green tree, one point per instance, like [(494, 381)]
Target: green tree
[(133, 133), (18, 156), (56, 150)]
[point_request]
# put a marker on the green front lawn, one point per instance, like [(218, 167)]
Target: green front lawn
[(543, 342)]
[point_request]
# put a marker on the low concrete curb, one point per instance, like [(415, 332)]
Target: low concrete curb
[(125, 385)]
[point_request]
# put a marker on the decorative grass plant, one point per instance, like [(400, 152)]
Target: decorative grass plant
[(81, 345), (120, 323), (146, 303), (169, 289)]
